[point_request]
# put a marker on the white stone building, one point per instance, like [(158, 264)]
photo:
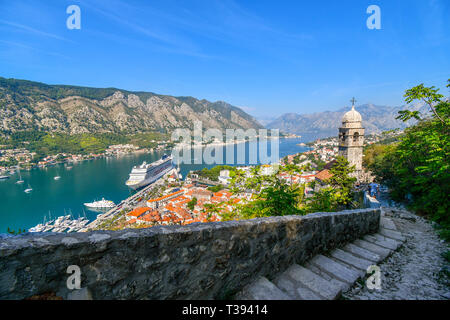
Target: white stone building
[(351, 140)]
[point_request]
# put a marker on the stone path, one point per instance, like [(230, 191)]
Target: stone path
[(406, 248), (326, 277), (417, 270)]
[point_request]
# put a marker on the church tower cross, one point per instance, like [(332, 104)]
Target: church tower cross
[(353, 102)]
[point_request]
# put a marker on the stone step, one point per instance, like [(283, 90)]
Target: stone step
[(381, 251), (387, 224), (351, 260), (325, 278), (262, 289), (311, 267), (287, 283), (392, 234), (362, 253), (382, 242), (384, 238), (329, 290), (336, 270)]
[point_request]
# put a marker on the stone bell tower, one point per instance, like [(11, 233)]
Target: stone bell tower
[(351, 139)]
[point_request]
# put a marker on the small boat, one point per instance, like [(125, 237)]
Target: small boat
[(69, 167), (28, 190), (4, 177), (57, 178), (20, 181)]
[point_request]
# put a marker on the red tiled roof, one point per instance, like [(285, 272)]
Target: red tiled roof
[(222, 194), (152, 216), (139, 211), (165, 197), (324, 175)]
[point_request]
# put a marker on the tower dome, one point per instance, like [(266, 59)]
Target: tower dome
[(352, 116), (352, 119)]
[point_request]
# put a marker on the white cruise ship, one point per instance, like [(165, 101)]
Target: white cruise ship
[(102, 204), (146, 174)]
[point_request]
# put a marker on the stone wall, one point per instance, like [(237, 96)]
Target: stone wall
[(198, 261)]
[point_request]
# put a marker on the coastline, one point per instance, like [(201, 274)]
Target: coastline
[(75, 158), (225, 143)]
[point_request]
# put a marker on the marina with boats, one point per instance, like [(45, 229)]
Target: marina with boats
[(61, 224), (67, 223), (148, 178)]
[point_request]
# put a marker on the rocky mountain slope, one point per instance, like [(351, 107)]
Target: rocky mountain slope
[(27, 105), (324, 124)]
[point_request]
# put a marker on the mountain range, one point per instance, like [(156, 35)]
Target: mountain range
[(375, 118), (28, 105)]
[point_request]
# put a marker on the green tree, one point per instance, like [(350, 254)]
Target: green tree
[(276, 199), (191, 204), (417, 168), (338, 193), (212, 208), (237, 180), (255, 181), (216, 188), (341, 178), (324, 200), (430, 96), (373, 153)]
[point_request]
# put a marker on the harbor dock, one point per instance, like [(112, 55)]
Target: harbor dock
[(125, 204)]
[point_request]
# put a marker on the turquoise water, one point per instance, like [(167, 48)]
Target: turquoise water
[(85, 182)]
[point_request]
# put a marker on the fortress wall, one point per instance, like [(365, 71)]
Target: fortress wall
[(198, 261)]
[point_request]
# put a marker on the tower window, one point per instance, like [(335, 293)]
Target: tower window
[(356, 137)]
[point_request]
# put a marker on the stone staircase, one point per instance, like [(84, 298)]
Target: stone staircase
[(327, 277)]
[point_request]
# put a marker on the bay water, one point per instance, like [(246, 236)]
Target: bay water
[(87, 181)]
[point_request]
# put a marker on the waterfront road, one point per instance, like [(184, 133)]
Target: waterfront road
[(124, 204)]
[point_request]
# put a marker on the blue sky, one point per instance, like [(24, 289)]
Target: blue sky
[(268, 57)]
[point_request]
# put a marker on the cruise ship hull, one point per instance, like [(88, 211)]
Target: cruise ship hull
[(145, 182)]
